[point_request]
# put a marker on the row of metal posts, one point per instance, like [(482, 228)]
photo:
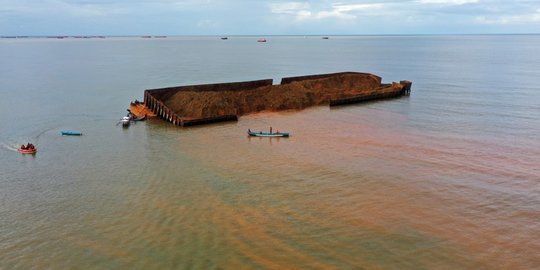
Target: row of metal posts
[(161, 110)]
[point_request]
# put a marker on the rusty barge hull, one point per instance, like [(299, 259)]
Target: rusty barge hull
[(209, 103)]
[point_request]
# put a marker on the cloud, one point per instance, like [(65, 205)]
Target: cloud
[(513, 19), (90, 8), (269, 16), (289, 7), (303, 11), (342, 11), (354, 7), (71, 8), (448, 2), (299, 10)]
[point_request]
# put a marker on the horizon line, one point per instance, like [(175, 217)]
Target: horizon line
[(255, 35)]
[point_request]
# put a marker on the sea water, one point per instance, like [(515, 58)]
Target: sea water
[(447, 178)]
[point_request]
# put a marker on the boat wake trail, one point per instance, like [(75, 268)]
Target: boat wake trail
[(9, 146), (36, 138), (12, 144)]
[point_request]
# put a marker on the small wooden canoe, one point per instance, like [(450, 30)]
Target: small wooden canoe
[(268, 134), (27, 151), (71, 133), (141, 118)]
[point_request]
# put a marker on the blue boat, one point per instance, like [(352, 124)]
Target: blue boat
[(268, 134), (71, 133)]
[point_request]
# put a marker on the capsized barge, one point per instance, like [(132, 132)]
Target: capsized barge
[(208, 103)]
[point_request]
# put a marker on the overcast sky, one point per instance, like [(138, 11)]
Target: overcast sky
[(253, 17)]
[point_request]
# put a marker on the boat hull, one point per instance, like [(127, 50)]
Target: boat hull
[(142, 118), (71, 133), (27, 151), (268, 134)]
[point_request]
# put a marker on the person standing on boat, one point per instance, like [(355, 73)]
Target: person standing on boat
[(270, 130)]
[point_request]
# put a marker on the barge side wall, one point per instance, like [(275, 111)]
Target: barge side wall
[(154, 98)]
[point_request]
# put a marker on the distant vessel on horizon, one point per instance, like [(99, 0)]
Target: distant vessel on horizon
[(261, 40)]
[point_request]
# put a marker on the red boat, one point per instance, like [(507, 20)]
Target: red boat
[(27, 151)]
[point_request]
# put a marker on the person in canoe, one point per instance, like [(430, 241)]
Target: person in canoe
[(28, 146)]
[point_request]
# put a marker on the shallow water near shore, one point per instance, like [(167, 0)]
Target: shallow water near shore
[(447, 178)]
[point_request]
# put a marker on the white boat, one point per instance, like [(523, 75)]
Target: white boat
[(125, 121)]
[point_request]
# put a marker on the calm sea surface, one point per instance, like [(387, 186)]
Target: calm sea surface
[(448, 178)]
